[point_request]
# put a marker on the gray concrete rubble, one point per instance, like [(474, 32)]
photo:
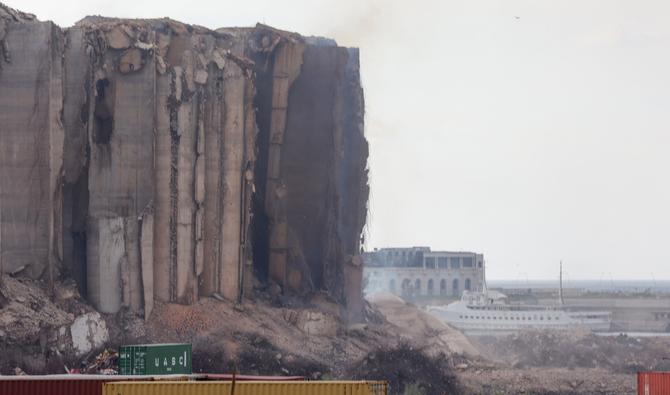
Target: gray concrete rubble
[(154, 160), (89, 332)]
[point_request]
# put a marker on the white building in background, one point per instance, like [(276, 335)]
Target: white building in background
[(419, 272)]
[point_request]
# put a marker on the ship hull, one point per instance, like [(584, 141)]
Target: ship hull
[(499, 318)]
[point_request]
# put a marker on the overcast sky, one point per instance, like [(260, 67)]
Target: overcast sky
[(531, 131)]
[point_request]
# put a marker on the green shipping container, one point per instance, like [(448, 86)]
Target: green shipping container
[(153, 359)]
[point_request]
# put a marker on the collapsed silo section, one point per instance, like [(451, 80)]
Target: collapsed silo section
[(120, 133), (312, 199), (171, 142)]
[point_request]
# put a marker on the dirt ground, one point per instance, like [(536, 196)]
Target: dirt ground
[(502, 380), (577, 350), (415, 323), (290, 339)]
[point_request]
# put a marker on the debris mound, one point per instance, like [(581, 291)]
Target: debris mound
[(409, 370), (107, 363), (621, 353), (419, 324), (546, 381)]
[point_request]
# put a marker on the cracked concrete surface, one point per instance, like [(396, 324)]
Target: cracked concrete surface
[(155, 160)]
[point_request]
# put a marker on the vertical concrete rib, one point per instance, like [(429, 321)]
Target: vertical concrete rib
[(287, 67), (161, 234), (133, 294), (199, 187), (248, 161), (233, 153), (213, 125), (185, 195), (56, 141), (147, 259)]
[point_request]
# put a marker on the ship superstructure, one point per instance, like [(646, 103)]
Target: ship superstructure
[(489, 311), (477, 311)]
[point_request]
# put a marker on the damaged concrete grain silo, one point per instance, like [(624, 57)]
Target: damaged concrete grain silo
[(154, 160)]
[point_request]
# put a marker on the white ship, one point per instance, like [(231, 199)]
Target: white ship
[(488, 311), (476, 311)]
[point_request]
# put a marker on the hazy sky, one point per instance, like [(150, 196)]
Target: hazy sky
[(530, 131)]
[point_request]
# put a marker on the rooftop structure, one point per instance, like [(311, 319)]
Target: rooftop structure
[(420, 272)]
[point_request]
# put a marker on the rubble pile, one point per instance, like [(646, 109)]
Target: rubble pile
[(419, 324), (545, 381), (107, 363), (27, 312), (35, 331), (621, 354), (408, 370), (156, 161), (265, 338)]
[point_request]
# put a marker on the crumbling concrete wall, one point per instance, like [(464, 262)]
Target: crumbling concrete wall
[(171, 162), (314, 177), (31, 143), (170, 120)]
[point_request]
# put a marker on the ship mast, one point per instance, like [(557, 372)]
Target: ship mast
[(560, 284)]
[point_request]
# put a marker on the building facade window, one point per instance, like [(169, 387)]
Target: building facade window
[(443, 287), (430, 262), (455, 262), (443, 262), (406, 287), (466, 261), (417, 286), (454, 288), (430, 287), (468, 284)]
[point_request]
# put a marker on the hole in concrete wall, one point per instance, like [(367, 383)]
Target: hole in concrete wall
[(85, 107), (259, 223), (79, 261), (104, 122), (307, 165), (75, 213)]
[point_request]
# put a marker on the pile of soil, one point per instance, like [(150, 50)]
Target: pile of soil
[(33, 327), (545, 381), (408, 369), (621, 354), (415, 323), (257, 356), (258, 338)]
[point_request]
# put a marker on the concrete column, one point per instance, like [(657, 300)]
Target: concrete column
[(233, 169)]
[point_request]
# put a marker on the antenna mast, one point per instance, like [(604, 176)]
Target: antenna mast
[(560, 284), (485, 288)]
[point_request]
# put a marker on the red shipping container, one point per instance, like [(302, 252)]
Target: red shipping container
[(58, 384), (82, 384), (653, 383)]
